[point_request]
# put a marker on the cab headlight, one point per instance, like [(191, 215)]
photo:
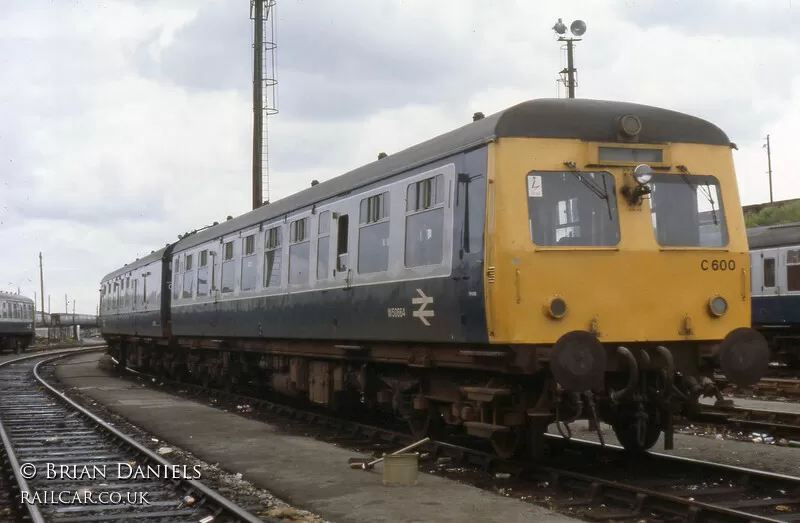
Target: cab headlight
[(717, 306), (642, 174)]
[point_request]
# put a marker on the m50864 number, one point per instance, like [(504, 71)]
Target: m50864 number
[(718, 265)]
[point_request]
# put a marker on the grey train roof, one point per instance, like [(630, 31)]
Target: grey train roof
[(773, 236), (14, 297), (584, 119), (154, 256)]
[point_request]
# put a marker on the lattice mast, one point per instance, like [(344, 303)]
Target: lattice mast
[(265, 91)]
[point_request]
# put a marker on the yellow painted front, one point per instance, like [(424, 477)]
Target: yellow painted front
[(636, 291)]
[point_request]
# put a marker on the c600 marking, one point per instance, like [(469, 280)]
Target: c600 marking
[(718, 265)]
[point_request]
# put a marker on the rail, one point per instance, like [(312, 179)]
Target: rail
[(32, 426)]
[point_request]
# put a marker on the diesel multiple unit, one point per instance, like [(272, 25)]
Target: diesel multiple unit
[(16, 322), (560, 259)]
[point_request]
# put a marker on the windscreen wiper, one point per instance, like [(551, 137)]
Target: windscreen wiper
[(706, 191), (601, 192)]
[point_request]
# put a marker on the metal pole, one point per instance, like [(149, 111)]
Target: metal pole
[(41, 279), (769, 166), (258, 100), (570, 70)]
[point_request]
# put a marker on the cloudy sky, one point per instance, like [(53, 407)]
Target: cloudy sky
[(126, 123)]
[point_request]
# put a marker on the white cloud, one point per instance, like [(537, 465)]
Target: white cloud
[(124, 124)]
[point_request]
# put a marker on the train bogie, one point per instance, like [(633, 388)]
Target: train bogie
[(551, 262)]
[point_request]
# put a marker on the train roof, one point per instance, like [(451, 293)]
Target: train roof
[(15, 297), (153, 256), (583, 119), (773, 236)]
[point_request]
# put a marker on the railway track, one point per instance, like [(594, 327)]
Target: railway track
[(776, 424), (581, 478), (765, 387), (65, 464)]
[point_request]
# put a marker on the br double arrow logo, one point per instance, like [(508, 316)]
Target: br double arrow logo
[(422, 313)]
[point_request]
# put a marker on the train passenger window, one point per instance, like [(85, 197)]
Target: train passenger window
[(228, 269), (188, 277), (567, 208), (324, 222), (249, 266), (425, 222), (299, 230), (373, 234), (793, 270), (425, 194), (323, 245), (299, 251), (342, 241), (135, 293), (769, 272), (176, 287), (687, 211), (5, 313), (202, 274), (272, 257)]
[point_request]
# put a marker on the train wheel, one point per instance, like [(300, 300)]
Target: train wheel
[(537, 440), (628, 433), (426, 424), (420, 426), (508, 445)]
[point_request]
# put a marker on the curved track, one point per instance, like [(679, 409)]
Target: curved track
[(40, 426), (600, 483)]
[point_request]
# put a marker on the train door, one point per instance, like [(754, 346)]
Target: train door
[(214, 262), (792, 272), (135, 306), (769, 283), (343, 271)]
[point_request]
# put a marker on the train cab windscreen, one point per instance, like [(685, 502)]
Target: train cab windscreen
[(572, 209), (687, 211)]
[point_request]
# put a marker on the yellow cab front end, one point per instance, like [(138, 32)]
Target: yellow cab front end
[(638, 249)]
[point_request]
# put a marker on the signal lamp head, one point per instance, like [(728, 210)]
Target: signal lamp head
[(717, 306), (578, 27)]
